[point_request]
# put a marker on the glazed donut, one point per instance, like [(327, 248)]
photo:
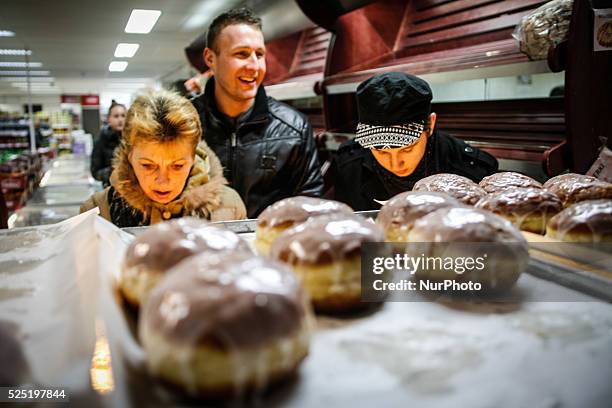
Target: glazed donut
[(288, 212), (485, 234), (398, 215), (506, 180), (164, 245), (573, 188), (224, 325), (459, 187), (586, 221), (325, 253), (529, 209)]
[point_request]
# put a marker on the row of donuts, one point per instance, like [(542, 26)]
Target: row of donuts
[(322, 239), (215, 320), (570, 207)]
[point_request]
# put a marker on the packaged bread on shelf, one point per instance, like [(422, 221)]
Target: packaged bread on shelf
[(546, 26)]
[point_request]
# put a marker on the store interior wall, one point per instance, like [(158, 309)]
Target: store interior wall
[(512, 87)]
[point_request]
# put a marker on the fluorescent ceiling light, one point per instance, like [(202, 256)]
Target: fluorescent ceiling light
[(6, 33), (20, 64), (13, 51), (21, 79), (117, 66), (33, 86), (142, 21), (33, 73), (125, 50)]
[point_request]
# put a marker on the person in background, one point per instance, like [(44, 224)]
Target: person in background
[(397, 143), (106, 143), (163, 170), (195, 55), (266, 147)]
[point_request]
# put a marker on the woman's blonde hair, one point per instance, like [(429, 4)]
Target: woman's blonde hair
[(161, 116)]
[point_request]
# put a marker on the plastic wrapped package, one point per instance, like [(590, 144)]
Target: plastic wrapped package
[(30, 216), (222, 325), (325, 253), (164, 245), (602, 167), (289, 212), (546, 26)]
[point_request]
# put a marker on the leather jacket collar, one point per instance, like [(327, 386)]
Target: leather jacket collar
[(258, 115)]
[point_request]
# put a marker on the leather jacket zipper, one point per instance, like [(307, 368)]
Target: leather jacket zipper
[(231, 155)]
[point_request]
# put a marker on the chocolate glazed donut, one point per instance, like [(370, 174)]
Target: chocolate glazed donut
[(222, 325), (459, 187), (325, 253), (288, 212), (587, 221), (166, 244), (398, 215), (507, 180), (572, 188), (529, 209)]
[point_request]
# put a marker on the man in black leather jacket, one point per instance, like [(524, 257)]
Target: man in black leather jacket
[(266, 148), (397, 144)]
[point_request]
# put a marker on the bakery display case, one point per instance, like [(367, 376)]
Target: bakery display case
[(429, 351)]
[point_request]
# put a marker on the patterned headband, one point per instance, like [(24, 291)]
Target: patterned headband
[(385, 137)]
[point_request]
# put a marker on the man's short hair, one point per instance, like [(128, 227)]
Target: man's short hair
[(241, 15)]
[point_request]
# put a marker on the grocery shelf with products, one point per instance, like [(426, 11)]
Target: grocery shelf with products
[(20, 176), (61, 124), (15, 135)]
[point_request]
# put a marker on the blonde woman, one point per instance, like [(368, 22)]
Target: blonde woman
[(163, 170)]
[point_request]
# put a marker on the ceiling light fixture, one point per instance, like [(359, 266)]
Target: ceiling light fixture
[(6, 33), (117, 66), (37, 85), (12, 51), (142, 21), (20, 64), (126, 50), (25, 73), (21, 79)]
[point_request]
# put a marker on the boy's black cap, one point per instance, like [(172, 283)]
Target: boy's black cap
[(393, 98), (393, 108)]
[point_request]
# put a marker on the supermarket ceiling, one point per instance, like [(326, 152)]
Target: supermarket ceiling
[(75, 39)]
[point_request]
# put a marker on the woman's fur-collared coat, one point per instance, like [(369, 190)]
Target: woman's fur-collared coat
[(206, 194)]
